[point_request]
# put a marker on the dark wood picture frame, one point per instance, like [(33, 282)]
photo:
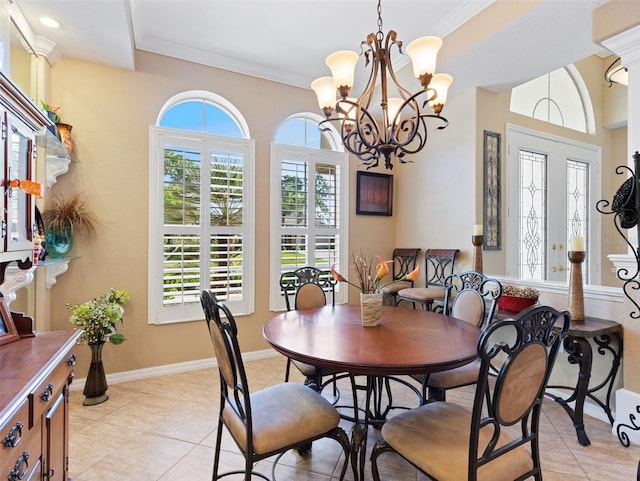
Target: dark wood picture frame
[(491, 194), (8, 330), (374, 193)]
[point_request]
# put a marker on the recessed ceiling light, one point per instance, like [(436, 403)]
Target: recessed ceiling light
[(49, 22)]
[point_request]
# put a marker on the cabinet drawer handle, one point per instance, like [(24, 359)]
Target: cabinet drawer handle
[(14, 437), (47, 393), (71, 361), (19, 471)]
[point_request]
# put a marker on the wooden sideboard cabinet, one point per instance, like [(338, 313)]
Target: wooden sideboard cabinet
[(35, 373)]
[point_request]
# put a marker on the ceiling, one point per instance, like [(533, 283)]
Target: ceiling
[(287, 40)]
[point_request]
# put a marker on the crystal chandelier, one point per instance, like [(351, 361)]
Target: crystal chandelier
[(401, 127)]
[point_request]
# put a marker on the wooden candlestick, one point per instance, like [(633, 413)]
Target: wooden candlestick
[(576, 294), (477, 240)]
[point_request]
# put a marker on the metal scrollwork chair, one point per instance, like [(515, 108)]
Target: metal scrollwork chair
[(439, 264), (270, 421), (308, 286), (404, 261), (451, 442), (472, 297)]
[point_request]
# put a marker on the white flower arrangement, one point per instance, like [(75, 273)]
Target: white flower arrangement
[(98, 318)]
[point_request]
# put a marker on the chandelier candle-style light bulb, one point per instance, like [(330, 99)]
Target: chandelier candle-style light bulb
[(397, 127), (326, 94), (342, 65), (440, 82), (424, 52)]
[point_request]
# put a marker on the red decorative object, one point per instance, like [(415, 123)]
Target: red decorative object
[(514, 303)]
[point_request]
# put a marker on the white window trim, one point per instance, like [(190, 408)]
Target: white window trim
[(281, 152), (157, 314)]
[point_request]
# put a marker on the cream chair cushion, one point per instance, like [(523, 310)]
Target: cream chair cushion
[(422, 294), (435, 437), (283, 415)]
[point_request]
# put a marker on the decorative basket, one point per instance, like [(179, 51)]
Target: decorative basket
[(515, 303)]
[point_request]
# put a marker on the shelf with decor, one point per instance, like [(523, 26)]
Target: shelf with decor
[(56, 156)]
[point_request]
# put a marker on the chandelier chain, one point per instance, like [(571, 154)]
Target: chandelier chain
[(380, 35)]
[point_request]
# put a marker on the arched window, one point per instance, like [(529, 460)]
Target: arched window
[(309, 178), (201, 207), (559, 97)]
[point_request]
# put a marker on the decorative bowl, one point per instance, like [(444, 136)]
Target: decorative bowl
[(515, 303)]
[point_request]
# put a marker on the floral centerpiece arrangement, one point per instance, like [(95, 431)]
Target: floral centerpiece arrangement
[(370, 280), (98, 318), (370, 285)]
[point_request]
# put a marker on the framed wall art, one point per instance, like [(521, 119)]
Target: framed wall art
[(8, 331), (491, 203), (374, 193)]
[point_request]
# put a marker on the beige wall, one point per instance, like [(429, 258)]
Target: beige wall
[(111, 111)]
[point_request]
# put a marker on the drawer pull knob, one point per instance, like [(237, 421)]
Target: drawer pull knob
[(47, 393), (19, 471), (71, 361), (14, 437)]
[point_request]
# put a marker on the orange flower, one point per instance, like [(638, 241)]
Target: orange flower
[(336, 275), (413, 275), (382, 269)]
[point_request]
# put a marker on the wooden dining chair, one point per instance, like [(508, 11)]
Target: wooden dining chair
[(451, 442), (472, 297), (439, 263), (404, 261), (268, 422)]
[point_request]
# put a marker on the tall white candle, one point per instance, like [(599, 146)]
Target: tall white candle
[(577, 244), (477, 229)]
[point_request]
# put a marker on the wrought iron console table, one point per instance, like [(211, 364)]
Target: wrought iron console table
[(578, 347)]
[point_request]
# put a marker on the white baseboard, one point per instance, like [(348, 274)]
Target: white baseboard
[(137, 374), (627, 405)]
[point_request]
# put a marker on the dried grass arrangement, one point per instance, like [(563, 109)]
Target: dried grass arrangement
[(73, 212)]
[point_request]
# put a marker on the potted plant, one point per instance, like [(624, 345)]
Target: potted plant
[(99, 319), (52, 114), (63, 217), (62, 130)]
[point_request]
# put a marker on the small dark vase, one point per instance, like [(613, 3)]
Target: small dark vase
[(95, 387), (52, 128), (59, 242)]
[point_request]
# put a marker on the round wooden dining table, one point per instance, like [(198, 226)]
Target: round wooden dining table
[(407, 341)]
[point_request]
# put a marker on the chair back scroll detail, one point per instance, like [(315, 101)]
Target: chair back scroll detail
[(404, 261), (472, 297), (439, 263), (291, 283)]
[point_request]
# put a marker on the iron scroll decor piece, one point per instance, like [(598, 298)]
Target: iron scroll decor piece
[(625, 207)]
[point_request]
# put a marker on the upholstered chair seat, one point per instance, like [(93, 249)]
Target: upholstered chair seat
[(435, 437), (422, 295), (284, 414), (438, 264)]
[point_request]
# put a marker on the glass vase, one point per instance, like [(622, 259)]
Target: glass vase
[(59, 242)]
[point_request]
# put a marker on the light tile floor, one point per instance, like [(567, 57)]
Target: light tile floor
[(163, 429)]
